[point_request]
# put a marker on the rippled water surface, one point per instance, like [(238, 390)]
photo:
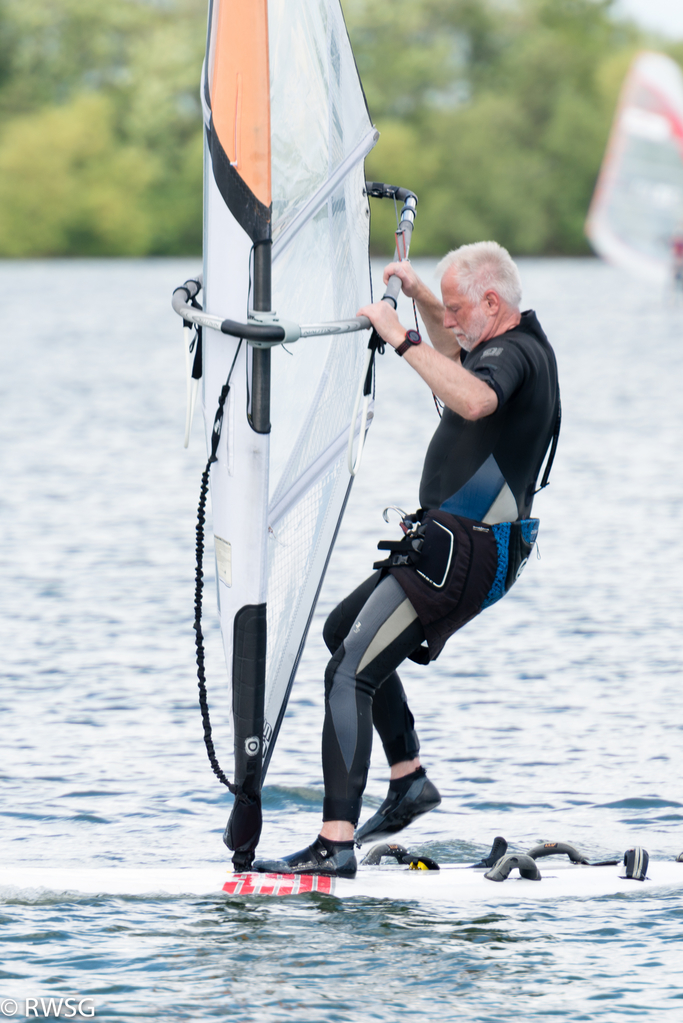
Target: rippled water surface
[(554, 716)]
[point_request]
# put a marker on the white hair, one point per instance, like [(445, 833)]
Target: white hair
[(483, 266)]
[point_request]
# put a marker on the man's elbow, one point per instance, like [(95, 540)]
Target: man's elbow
[(478, 406)]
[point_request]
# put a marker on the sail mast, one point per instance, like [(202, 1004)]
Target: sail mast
[(260, 411)]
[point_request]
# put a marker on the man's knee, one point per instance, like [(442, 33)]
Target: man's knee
[(332, 629), (339, 621), (331, 669)]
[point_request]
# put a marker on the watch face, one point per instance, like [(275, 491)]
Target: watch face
[(413, 337)]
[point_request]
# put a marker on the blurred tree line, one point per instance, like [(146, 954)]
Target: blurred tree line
[(496, 112), (100, 126)]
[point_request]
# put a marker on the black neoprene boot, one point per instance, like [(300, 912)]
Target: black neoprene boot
[(408, 798), (333, 859)]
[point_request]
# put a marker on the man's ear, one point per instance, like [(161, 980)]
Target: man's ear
[(492, 301)]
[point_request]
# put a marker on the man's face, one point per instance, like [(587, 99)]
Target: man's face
[(468, 320)]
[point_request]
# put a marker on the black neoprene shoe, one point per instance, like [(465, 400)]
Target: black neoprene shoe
[(333, 859), (400, 808)]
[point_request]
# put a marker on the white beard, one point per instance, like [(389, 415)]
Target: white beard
[(472, 338)]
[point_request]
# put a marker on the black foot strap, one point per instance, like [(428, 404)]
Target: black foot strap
[(498, 849), (526, 866), (416, 861), (635, 862), (560, 848)]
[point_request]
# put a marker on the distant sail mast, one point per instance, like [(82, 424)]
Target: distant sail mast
[(637, 208)]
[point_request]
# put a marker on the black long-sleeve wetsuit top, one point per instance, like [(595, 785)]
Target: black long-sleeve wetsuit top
[(487, 469)]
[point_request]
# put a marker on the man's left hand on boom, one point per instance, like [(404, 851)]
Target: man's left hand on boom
[(452, 324)]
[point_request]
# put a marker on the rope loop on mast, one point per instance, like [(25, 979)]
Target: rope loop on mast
[(199, 581), (365, 391)]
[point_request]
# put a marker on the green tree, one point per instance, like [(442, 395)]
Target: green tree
[(67, 184), (498, 118), (100, 127)]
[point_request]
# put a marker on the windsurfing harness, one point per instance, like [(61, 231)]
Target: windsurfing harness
[(451, 568)]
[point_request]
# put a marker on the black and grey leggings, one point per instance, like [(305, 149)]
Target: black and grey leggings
[(368, 634)]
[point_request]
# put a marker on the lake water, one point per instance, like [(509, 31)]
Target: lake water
[(554, 716)]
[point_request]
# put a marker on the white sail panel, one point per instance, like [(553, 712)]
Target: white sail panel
[(320, 134), (318, 113), (637, 208)]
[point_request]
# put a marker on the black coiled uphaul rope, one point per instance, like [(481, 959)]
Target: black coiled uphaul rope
[(199, 581)]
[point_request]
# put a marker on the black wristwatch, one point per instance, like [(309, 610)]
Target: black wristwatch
[(412, 338)]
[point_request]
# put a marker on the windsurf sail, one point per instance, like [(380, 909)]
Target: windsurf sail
[(286, 240), (636, 216)]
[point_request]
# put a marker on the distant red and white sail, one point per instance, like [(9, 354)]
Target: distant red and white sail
[(636, 215)]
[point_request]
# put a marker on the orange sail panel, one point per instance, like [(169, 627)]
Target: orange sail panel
[(240, 91)]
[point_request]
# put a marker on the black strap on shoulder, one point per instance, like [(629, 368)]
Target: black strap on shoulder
[(558, 421), (553, 446)]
